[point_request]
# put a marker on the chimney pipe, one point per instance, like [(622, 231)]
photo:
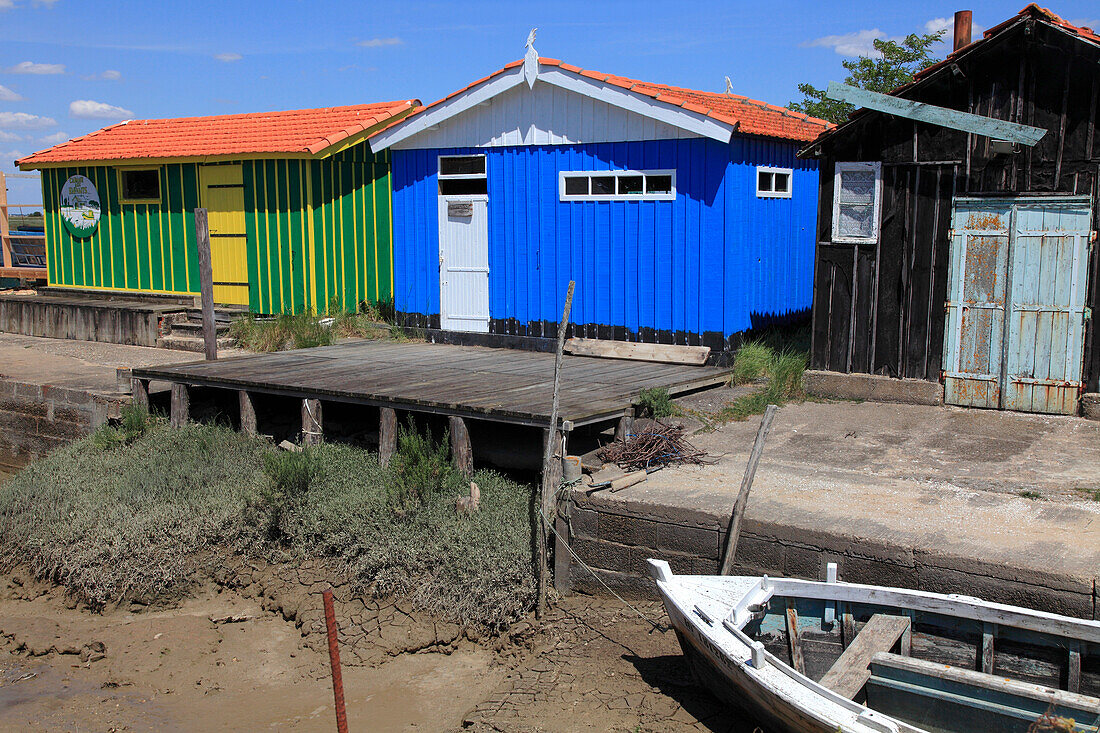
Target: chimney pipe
[(963, 20)]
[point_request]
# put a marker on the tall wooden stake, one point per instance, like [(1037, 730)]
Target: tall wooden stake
[(738, 515), (334, 661), (551, 478), (206, 284), (5, 234)]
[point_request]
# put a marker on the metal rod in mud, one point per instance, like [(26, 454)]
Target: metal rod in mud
[(334, 660)]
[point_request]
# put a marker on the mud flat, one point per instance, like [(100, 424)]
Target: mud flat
[(220, 661)]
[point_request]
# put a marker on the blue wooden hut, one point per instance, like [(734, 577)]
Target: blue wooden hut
[(683, 216)]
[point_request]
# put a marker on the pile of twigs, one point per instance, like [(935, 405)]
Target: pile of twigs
[(656, 446)]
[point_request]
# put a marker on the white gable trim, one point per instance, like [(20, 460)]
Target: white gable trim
[(452, 107), (646, 106)]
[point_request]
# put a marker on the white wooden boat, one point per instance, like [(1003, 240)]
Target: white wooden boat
[(823, 657)]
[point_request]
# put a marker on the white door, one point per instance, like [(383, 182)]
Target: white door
[(464, 263)]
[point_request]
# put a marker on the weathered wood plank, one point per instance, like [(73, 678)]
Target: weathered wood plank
[(312, 422), (248, 412), (387, 435), (851, 671), (139, 389), (181, 405), (460, 446), (794, 641), (638, 351)]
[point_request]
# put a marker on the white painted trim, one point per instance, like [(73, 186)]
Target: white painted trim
[(670, 196), (641, 104), (789, 172), (447, 109), (876, 168)]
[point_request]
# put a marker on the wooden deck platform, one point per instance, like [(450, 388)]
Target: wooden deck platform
[(499, 385)]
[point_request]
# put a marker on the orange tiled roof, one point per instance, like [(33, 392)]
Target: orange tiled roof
[(305, 131), (749, 116)]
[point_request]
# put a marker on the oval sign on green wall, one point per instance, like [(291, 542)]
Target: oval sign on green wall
[(80, 206)]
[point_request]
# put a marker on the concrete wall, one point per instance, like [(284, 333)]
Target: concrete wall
[(615, 538), (68, 318), (35, 419)]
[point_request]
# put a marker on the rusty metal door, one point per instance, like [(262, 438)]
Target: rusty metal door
[(1046, 317), (976, 295), (1014, 333)]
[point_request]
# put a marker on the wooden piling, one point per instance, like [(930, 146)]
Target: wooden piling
[(312, 426), (181, 405), (461, 450), (387, 435), (734, 529), (625, 426), (551, 476), (139, 389), (206, 284), (248, 412)]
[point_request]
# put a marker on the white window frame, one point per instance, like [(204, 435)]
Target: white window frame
[(760, 193), (643, 196), (463, 176), (874, 167)]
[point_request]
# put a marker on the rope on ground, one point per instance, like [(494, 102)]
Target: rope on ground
[(569, 546)]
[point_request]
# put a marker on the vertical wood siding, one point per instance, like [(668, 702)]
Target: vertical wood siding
[(880, 308), (714, 262), (319, 233)]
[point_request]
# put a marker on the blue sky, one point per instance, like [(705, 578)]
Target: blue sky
[(69, 67)]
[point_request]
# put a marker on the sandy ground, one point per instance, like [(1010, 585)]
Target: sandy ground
[(595, 666)]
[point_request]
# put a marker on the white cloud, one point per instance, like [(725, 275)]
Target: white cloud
[(29, 67), (111, 75), (856, 43), (1093, 23), (89, 109), (7, 4), (54, 139), (9, 137), (380, 42), (24, 121), (47, 3), (948, 24), (7, 95), (228, 57)]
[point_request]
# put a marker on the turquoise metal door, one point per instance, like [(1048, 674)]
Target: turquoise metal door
[(976, 295), (1014, 333), (1046, 322)]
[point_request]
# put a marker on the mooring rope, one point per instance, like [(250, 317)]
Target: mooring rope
[(583, 564)]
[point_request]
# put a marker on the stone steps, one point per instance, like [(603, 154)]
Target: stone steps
[(192, 343)]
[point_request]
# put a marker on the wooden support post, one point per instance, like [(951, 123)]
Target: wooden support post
[(987, 651), (206, 284), (387, 435), (460, 445), (5, 233), (551, 476), (181, 405), (794, 640), (312, 426), (248, 412), (139, 388), (563, 558), (1073, 670), (847, 628), (625, 426), (738, 515)]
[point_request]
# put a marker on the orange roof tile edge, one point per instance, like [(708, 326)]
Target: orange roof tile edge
[(732, 109), (302, 131)]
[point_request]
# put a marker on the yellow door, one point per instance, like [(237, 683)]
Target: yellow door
[(223, 196)]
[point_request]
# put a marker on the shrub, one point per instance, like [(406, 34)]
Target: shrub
[(133, 423), (420, 466), (656, 403), (289, 476)]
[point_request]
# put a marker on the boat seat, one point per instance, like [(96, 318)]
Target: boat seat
[(941, 697), (851, 670)]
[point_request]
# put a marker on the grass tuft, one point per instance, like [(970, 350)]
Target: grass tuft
[(656, 403), (305, 330), (751, 362), (784, 374), (1028, 494), (142, 520)]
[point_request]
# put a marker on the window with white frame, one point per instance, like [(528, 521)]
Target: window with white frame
[(857, 197), (773, 183), (462, 175), (658, 185)]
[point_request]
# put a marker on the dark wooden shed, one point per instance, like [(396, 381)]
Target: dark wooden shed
[(956, 257)]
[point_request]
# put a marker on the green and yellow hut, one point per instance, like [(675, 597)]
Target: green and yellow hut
[(299, 207)]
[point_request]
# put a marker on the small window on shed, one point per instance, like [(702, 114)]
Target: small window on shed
[(459, 165), (658, 183), (630, 185), (576, 185), (857, 195), (462, 175), (773, 183), (140, 185), (603, 185)]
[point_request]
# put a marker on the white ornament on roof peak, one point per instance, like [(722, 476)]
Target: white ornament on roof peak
[(531, 60)]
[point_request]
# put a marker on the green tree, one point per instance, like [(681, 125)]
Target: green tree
[(895, 65)]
